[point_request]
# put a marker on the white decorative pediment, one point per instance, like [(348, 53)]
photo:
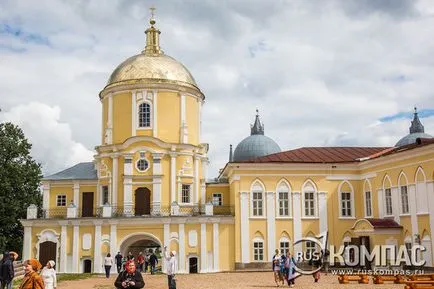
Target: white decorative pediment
[(48, 235), (105, 238), (174, 235), (192, 238)]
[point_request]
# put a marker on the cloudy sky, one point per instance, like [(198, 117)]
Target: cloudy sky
[(321, 73)]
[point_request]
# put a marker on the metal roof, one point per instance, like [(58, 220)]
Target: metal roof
[(81, 171)]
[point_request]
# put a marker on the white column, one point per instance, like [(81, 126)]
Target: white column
[(128, 185), (172, 178), (395, 204), (75, 242), (154, 115), (296, 201), (156, 183), (184, 127), (115, 181), (46, 196), (27, 242), (322, 200), (199, 139), (196, 179), (203, 183), (245, 247), (412, 208), (166, 241), (181, 238), (97, 258), (113, 242), (271, 225), (133, 112), (380, 203), (430, 193), (109, 131), (76, 189), (203, 251), (215, 243), (63, 239)]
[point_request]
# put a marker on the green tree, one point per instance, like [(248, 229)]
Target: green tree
[(20, 177)]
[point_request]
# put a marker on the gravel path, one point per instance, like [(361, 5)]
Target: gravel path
[(249, 280)]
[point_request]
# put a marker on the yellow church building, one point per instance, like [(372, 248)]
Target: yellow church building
[(146, 187)]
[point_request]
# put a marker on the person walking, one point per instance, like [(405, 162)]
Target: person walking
[(48, 275), (146, 260), (170, 268), (31, 279), (277, 260), (153, 260), (6, 271), (108, 263), (140, 261), (290, 269), (118, 259), (130, 278)]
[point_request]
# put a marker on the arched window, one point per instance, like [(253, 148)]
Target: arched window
[(403, 189), (284, 245), (257, 199), (346, 200), (144, 115), (258, 249), (367, 189), (309, 200), (283, 199), (387, 184)]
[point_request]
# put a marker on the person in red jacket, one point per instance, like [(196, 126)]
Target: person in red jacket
[(140, 261)]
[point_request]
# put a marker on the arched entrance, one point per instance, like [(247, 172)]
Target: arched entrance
[(140, 242), (142, 202), (47, 252)]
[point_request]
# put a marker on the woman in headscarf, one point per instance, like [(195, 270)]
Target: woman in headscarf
[(130, 278), (31, 279), (48, 274)]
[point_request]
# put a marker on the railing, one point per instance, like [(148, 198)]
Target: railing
[(120, 212)]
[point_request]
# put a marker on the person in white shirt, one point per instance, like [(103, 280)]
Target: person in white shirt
[(108, 263), (48, 274), (171, 265)]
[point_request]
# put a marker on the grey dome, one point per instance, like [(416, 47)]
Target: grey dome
[(255, 146), (416, 131), (411, 138)]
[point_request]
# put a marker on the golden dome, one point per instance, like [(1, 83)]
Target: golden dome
[(152, 66), (146, 66)]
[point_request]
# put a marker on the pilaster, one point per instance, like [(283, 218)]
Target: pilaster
[(322, 203), (203, 251), (97, 258), (216, 253), (296, 201), (75, 247), (245, 248), (271, 225), (181, 238)]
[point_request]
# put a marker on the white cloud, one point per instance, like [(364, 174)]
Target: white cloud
[(52, 142), (320, 75)]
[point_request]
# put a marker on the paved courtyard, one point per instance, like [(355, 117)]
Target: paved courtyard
[(222, 281)]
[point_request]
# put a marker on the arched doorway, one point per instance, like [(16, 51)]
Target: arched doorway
[(140, 242), (142, 202), (47, 252)]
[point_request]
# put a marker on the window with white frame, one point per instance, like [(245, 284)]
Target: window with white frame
[(144, 115), (404, 200), (258, 203), (61, 200), (217, 199), (105, 195), (185, 193), (309, 203), (142, 165), (346, 205), (283, 203), (368, 204), (258, 250), (388, 197), (284, 246), (310, 248)]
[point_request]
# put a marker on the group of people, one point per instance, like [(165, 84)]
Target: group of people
[(130, 276), (142, 262), (34, 277)]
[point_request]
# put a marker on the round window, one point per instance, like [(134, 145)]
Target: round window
[(142, 165)]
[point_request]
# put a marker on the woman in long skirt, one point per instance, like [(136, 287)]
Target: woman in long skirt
[(290, 269), (278, 276), (48, 274)]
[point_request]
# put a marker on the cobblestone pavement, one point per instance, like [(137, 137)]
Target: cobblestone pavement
[(249, 280)]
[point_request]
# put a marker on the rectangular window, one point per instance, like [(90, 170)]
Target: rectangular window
[(309, 204), (388, 195), (144, 115), (185, 193), (258, 251), (284, 248), (404, 200), (368, 204), (283, 204), (257, 203), (61, 200), (346, 204), (217, 199), (310, 248), (105, 195)]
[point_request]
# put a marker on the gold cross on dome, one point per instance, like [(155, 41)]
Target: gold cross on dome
[(152, 9)]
